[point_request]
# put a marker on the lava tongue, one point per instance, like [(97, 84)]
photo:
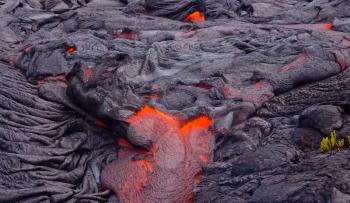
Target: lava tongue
[(166, 173)]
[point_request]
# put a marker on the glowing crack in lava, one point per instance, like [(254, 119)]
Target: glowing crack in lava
[(70, 50), (328, 25), (195, 17), (170, 170)]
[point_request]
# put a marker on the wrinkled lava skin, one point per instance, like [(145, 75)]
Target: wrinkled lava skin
[(270, 76), (170, 170)]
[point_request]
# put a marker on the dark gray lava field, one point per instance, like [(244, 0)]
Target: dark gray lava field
[(174, 101)]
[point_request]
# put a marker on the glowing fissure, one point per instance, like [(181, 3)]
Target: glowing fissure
[(170, 170), (70, 50), (196, 16), (328, 25)]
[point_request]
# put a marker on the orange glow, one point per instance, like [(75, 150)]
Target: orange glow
[(148, 111), (198, 178), (202, 122), (195, 17), (71, 50), (179, 150), (328, 25), (204, 86), (146, 165), (203, 158)]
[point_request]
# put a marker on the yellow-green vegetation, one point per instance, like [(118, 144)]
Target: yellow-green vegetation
[(325, 144), (332, 143)]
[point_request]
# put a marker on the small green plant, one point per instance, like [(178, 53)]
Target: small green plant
[(340, 143), (332, 143), (325, 144), (333, 139)]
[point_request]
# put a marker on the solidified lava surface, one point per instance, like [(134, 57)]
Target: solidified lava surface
[(173, 101)]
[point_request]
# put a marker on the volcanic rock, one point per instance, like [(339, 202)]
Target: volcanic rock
[(323, 118), (173, 101), (48, 152), (342, 25)]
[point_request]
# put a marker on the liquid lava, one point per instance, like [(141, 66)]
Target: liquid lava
[(170, 170)]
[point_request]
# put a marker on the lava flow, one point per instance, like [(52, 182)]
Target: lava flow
[(168, 172), (195, 17)]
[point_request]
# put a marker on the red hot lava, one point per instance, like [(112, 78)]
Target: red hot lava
[(70, 50), (328, 25), (168, 172), (195, 17)]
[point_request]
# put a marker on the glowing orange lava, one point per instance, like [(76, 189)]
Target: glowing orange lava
[(70, 50), (201, 122), (195, 17), (328, 25), (169, 171)]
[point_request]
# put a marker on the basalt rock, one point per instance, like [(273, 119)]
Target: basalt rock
[(342, 25), (297, 166), (323, 118), (177, 10), (173, 101), (48, 152)]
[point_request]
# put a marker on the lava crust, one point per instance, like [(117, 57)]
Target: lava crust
[(174, 101)]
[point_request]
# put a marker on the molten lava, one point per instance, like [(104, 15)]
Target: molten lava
[(168, 172), (70, 50), (195, 17), (328, 25)]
